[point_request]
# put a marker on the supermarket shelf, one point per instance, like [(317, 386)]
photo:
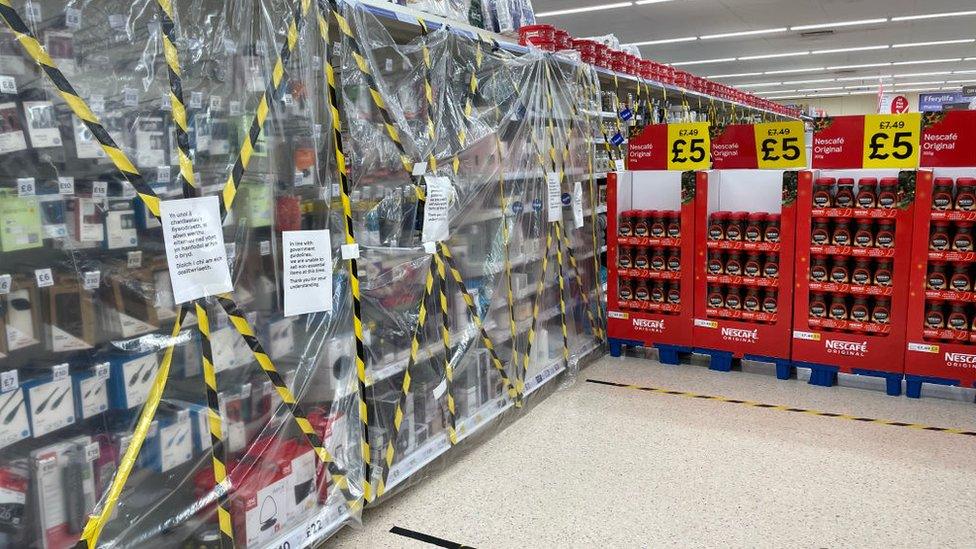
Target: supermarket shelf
[(946, 335), (853, 289), (865, 327), (648, 306), (547, 374), (952, 256), (649, 274), (602, 208), (313, 530), (646, 241), (741, 245), (855, 213), (953, 216), (963, 297), (404, 20), (852, 251), (747, 316), (759, 282)]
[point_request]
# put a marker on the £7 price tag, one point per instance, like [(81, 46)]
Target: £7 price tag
[(891, 140), (781, 145), (689, 146)]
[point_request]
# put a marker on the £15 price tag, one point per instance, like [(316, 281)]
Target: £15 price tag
[(44, 278), (891, 140), (689, 146), (780, 145), (99, 189)]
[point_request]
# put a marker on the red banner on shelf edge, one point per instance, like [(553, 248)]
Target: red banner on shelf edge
[(734, 148), (648, 150), (838, 142), (948, 139)]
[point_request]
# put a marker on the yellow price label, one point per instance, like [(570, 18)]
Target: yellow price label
[(689, 146), (891, 140), (781, 145)]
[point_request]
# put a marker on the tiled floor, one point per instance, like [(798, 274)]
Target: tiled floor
[(602, 466)]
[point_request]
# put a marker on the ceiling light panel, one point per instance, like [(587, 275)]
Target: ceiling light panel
[(840, 24), (928, 61), (814, 81), (934, 43), (665, 41), (861, 66), (735, 75), (703, 61), (846, 50), (584, 9), (853, 78), (794, 71), (773, 55), (743, 33), (933, 15)]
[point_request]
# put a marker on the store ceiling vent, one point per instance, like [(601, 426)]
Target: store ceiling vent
[(816, 33)]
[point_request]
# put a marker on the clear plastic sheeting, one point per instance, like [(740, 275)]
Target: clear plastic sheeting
[(407, 227)]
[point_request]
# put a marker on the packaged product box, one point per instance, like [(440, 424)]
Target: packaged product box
[(20, 223)]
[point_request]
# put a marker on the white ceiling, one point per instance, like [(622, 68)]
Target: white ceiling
[(686, 18)]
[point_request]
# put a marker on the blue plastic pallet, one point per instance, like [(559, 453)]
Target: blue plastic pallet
[(913, 384), (825, 375), (721, 361), (784, 367), (667, 354)]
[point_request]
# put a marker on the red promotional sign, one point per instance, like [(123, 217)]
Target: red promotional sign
[(949, 139), (899, 104), (734, 148), (838, 142), (648, 150)]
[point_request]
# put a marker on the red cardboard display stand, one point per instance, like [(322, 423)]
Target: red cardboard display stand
[(722, 330), (862, 346), (645, 322), (942, 355)]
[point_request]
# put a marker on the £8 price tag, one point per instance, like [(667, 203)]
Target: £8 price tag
[(891, 140), (689, 146), (781, 145)]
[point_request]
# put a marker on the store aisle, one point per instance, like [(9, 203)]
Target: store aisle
[(604, 466)]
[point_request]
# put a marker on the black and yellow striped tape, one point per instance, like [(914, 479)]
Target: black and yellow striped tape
[(214, 420), (390, 453), (784, 408), (441, 281), (350, 239), (539, 290), (177, 104)]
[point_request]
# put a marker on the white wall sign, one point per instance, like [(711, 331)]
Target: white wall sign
[(554, 194), (308, 271), (436, 209), (195, 248)]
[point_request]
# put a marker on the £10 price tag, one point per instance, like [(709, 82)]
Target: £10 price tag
[(66, 185), (689, 146), (59, 371), (781, 145), (891, 140)]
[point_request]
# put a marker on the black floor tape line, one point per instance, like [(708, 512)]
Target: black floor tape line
[(780, 408), (428, 538)]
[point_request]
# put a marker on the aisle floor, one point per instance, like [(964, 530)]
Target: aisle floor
[(604, 466)]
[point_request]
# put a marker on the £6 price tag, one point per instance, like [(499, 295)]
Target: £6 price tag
[(5, 280), (26, 186), (689, 146), (44, 278), (891, 140), (780, 145)]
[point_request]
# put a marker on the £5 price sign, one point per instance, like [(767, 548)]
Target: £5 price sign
[(689, 146), (780, 145), (891, 140)]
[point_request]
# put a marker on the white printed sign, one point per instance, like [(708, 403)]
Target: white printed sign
[(308, 271), (554, 194), (436, 209), (66, 185), (195, 248), (578, 204)]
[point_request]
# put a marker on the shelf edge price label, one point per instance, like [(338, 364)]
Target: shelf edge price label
[(781, 145), (689, 146), (891, 140)]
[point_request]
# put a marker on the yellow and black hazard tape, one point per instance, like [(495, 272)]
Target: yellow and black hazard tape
[(37, 53), (562, 291), (96, 521), (350, 239), (784, 408), (597, 330), (271, 93), (446, 339), (177, 105), (540, 286), (470, 92), (428, 93), (217, 447), (507, 259), (444, 253), (244, 328), (390, 454)]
